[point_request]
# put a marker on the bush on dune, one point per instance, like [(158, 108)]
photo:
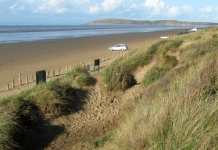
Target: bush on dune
[(118, 78), (11, 130), (181, 113), (119, 75), (50, 99)]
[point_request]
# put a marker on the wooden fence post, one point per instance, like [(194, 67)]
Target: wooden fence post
[(20, 81), (12, 85), (59, 71), (7, 86), (26, 79)]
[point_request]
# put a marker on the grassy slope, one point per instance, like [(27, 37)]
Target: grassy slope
[(177, 110), (44, 101)]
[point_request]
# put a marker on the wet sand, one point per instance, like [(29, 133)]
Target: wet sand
[(28, 57)]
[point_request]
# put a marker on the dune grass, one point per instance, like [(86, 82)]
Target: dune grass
[(119, 75), (45, 100), (181, 113)]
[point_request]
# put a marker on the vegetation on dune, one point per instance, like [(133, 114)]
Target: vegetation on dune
[(182, 115), (46, 100), (179, 111), (119, 75)]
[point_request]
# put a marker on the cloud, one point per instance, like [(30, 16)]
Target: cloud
[(156, 5), (159, 8), (79, 2), (94, 9), (61, 10), (173, 11), (187, 9), (109, 5), (12, 7), (16, 7), (105, 6), (53, 6), (176, 11), (207, 9)]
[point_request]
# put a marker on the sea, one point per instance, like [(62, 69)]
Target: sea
[(25, 33)]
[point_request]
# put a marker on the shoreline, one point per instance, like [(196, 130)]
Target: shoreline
[(28, 57), (86, 36)]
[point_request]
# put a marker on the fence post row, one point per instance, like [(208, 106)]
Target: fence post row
[(41, 75)]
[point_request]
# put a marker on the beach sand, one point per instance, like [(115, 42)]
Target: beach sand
[(28, 57)]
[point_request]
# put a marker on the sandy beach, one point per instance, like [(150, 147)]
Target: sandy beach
[(28, 57)]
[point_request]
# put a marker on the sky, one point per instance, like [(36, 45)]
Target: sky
[(76, 12)]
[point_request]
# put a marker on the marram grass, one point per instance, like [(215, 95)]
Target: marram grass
[(180, 111), (175, 117), (45, 100), (180, 114)]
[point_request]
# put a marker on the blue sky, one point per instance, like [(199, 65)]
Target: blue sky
[(76, 12)]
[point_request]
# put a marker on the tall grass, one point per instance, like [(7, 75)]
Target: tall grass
[(11, 130), (119, 75), (176, 117), (179, 114), (45, 100), (165, 61), (194, 52)]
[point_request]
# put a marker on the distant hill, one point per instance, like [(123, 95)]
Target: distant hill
[(114, 21)]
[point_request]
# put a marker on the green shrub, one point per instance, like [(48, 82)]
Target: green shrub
[(177, 42), (102, 140), (135, 59), (169, 61), (11, 130), (81, 76), (85, 80), (154, 47), (118, 78), (20, 107), (154, 74), (169, 46), (214, 36), (179, 114)]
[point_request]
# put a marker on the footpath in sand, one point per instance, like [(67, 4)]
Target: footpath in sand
[(102, 112)]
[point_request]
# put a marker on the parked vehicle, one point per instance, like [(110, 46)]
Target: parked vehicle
[(164, 37), (118, 47), (194, 30)]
